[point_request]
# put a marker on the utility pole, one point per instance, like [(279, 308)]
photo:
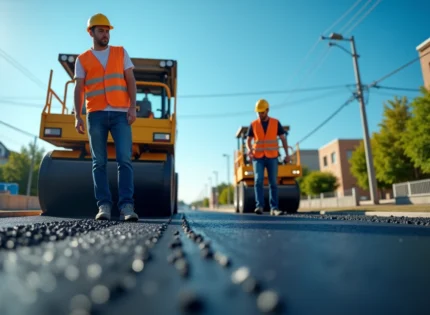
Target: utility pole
[(228, 177), (368, 150)]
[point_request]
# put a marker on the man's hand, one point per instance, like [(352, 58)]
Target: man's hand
[(79, 124), (250, 155), (131, 115), (287, 159)]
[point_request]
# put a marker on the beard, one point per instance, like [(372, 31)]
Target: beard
[(103, 42)]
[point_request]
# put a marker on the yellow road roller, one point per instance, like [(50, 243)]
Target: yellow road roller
[(288, 188), (65, 184)]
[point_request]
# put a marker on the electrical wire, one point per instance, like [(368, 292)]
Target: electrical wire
[(363, 17), (337, 111), (383, 78)]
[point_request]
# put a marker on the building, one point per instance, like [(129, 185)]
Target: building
[(334, 157), (4, 154), (310, 159), (424, 48)]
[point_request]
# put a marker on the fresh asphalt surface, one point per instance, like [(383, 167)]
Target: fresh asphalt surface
[(216, 263)]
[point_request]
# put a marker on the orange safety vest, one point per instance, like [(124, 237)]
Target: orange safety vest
[(265, 144), (105, 86)]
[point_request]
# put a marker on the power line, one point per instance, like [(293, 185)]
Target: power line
[(311, 89), (375, 83), (363, 17), (245, 112), (21, 68), (396, 88), (337, 111)]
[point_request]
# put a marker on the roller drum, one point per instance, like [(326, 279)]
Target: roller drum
[(288, 198), (66, 187)]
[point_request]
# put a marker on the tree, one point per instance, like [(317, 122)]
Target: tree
[(417, 138), (391, 163), (358, 166), (17, 168), (318, 182), (223, 196), (301, 179)]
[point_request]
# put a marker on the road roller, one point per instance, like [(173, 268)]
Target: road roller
[(288, 188), (65, 183)]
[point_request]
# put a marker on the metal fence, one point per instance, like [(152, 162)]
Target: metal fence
[(414, 188)]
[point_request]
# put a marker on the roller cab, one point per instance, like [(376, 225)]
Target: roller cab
[(288, 188), (65, 181)]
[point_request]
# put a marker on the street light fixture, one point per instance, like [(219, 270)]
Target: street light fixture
[(228, 176), (367, 147)]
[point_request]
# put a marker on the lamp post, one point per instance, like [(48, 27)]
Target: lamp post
[(228, 177), (367, 147), (216, 189)]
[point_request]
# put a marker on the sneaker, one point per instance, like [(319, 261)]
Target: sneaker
[(128, 214), (104, 213), (258, 210), (276, 212)]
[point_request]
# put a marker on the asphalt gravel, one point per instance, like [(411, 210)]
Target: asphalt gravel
[(216, 263)]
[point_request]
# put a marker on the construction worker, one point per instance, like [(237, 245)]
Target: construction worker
[(264, 154), (104, 74)]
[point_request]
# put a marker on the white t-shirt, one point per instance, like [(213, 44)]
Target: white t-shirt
[(102, 56)]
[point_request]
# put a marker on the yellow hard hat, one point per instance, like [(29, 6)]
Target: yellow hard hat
[(261, 106), (98, 20)]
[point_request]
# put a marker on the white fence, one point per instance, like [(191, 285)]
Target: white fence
[(415, 192), (349, 198)]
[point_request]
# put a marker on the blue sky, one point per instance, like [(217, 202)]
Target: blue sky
[(221, 47)]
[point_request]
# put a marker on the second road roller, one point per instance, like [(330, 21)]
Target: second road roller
[(288, 188), (65, 181)]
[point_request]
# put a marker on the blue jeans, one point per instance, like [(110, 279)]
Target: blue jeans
[(271, 164), (99, 124)]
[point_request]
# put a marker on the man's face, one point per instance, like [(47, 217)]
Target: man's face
[(101, 35), (263, 115)]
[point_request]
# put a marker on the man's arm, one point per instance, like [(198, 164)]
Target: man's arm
[(283, 135), (79, 96), (249, 138), (131, 86)]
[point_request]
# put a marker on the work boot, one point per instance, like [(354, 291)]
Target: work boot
[(258, 210), (276, 212), (128, 214), (104, 213)]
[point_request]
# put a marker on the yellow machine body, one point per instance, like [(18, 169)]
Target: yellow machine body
[(65, 178), (244, 180)]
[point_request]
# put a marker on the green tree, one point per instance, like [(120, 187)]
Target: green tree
[(17, 168), (358, 166), (301, 179), (417, 137), (223, 196), (391, 163), (317, 182)]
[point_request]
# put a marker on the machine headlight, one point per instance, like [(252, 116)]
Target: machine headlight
[(248, 173), (52, 132), (71, 59), (296, 172), (162, 63), (169, 63), (161, 137)]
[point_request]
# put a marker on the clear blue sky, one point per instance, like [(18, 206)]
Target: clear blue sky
[(221, 47)]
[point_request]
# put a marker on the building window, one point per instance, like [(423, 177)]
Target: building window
[(349, 154), (333, 158), (325, 161)]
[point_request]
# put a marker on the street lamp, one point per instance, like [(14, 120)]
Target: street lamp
[(228, 176), (367, 147), (216, 188)]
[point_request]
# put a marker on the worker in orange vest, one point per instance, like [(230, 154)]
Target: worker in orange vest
[(104, 75), (264, 154)]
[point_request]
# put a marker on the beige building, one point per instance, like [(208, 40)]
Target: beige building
[(424, 48), (334, 157)]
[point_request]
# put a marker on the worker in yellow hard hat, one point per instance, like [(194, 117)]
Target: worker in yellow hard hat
[(104, 78), (264, 154)]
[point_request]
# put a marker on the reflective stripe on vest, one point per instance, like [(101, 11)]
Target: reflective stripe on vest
[(265, 144), (105, 86)]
